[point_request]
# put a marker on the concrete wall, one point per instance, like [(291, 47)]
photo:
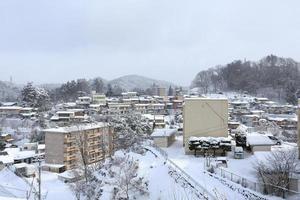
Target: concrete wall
[(161, 141), (204, 117), (54, 148), (260, 148)]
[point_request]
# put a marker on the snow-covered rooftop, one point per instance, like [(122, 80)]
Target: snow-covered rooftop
[(205, 99), (82, 127), (282, 117), (256, 139), (10, 108), (7, 159)]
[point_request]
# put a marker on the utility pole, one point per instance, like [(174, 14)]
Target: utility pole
[(39, 181)]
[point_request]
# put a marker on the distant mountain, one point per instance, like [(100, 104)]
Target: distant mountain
[(9, 91), (130, 82), (274, 77)]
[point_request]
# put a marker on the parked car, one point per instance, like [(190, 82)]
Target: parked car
[(275, 139)]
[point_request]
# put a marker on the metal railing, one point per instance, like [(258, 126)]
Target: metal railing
[(266, 189)]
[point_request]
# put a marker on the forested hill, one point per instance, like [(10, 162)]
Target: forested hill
[(272, 76)]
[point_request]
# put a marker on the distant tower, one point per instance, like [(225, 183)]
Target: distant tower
[(10, 79)]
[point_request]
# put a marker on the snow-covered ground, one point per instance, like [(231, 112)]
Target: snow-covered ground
[(153, 168), (54, 188), (161, 185), (195, 167)]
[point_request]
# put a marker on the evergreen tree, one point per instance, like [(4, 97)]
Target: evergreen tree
[(98, 85), (109, 92), (171, 91), (35, 97)]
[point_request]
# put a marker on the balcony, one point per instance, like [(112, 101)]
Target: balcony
[(70, 139), (70, 157), (70, 149)]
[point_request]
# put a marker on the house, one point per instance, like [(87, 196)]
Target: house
[(233, 125), (6, 159), (84, 101), (6, 137), (164, 137), (28, 112), (55, 168), (157, 108), (159, 121), (10, 110), (63, 144), (250, 120), (129, 95), (258, 142), (95, 108), (204, 117), (24, 169), (8, 104), (63, 116), (30, 146), (159, 91), (261, 100), (99, 99), (287, 122), (68, 115), (141, 108), (41, 149), (177, 104), (120, 108)]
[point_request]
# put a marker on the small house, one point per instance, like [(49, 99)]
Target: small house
[(164, 137), (259, 142), (24, 169)]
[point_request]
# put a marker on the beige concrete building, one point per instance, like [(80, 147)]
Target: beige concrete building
[(204, 117), (71, 145)]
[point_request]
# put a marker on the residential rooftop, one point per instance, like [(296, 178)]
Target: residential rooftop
[(82, 127)]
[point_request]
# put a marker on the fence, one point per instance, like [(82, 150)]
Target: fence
[(256, 186), (192, 182)]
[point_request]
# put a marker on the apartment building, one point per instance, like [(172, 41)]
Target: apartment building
[(71, 145), (99, 99), (204, 117), (160, 91)]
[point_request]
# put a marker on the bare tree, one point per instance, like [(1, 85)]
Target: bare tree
[(124, 172), (276, 171), (90, 187)]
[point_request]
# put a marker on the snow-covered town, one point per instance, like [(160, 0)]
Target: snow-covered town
[(149, 100), (186, 146)]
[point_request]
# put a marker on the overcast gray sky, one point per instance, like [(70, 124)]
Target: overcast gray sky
[(58, 40)]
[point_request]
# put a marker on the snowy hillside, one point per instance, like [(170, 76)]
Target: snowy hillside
[(130, 82)]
